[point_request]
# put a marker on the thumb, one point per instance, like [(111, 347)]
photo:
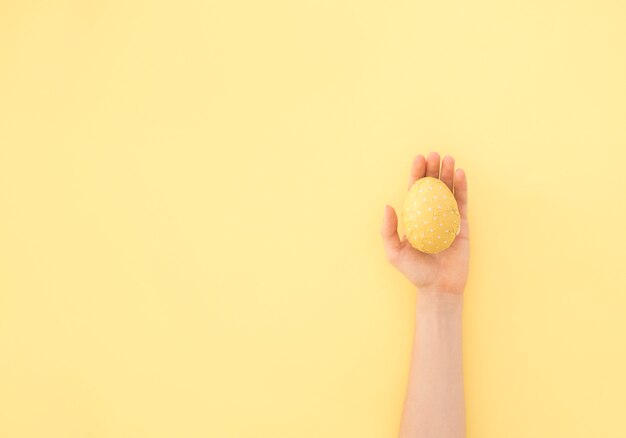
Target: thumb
[(389, 233)]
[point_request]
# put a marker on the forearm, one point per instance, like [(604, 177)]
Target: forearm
[(435, 402)]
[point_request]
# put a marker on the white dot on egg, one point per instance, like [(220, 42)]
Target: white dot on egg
[(424, 199)]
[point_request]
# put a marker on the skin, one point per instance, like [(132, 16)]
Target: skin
[(434, 405)]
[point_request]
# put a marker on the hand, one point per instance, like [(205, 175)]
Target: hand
[(445, 272)]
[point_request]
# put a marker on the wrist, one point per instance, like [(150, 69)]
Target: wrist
[(440, 302), (438, 289)]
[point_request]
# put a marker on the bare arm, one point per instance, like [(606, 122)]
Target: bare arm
[(434, 405)]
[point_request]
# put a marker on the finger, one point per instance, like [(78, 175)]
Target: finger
[(460, 194), (447, 171), (389, 233), (432, 165), (418, 169)]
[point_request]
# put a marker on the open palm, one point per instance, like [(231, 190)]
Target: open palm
[(445, 272)]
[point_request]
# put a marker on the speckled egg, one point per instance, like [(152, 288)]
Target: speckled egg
[(431, 216)]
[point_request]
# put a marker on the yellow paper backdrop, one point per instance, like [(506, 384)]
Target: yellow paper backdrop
[(191, 195)]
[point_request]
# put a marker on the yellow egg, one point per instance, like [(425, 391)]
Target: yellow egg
[(431, 216)]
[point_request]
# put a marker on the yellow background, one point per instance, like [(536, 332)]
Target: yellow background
[(191, 195)]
